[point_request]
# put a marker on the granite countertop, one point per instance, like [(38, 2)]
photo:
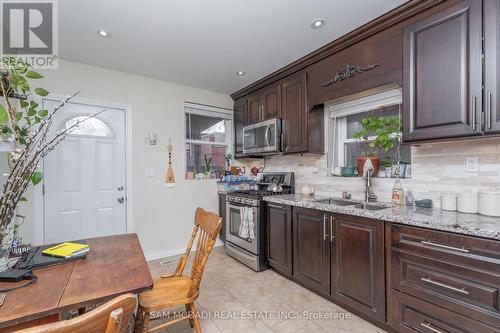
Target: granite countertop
[(431, 218)]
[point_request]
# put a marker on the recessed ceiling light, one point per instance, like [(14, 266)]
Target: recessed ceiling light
[(103, 33), (318, 23), (241, 73)]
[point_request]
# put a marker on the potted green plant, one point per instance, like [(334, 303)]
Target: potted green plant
[(208, 165), (376, 133)]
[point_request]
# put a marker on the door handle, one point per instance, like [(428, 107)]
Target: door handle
[(332, 219), (121, 199), (120, 188), (266, 136), (324, 227), (430, 328), (443, 246), (489, 105), (474, 102), (439, 284)]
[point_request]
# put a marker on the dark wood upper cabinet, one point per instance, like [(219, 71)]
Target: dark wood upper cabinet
[(279, 237), (442, 74), (240, 114), (254, 109), (358, 269), (311, 248), (371, 63), (294, 114), (271, 103), (492, 65), (264, 104)]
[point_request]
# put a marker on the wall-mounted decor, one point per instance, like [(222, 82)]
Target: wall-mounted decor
[(170, 178), (347, 72)]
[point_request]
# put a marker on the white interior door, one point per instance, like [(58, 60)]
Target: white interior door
[(84, 177)]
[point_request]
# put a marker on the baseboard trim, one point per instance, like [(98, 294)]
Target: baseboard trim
[(172, 253)]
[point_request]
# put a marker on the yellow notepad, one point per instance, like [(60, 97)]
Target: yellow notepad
[(66, 250)]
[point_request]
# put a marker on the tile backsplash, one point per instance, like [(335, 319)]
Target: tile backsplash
[(436, 168)]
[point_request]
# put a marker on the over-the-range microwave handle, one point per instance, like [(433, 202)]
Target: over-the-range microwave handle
[(268, 130)]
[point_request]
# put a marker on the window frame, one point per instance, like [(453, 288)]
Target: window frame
[(208, 111), (338, 110)]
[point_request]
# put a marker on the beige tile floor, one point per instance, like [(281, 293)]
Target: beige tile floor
[(233, 298)]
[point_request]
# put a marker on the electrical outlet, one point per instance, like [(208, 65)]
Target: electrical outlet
[(472, 164)]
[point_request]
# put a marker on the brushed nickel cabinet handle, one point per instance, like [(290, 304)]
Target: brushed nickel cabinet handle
[(430, 328), (439, 284), (474, 100), (274, 206), (490, 109), (332, 219), (453, 248), (324, 227)]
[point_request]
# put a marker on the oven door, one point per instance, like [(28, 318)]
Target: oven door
[(263, 137), (233, 223)]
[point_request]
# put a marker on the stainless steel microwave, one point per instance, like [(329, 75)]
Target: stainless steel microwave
[(263, 137)]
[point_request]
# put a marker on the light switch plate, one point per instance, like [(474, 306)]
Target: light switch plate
[(472, 164)]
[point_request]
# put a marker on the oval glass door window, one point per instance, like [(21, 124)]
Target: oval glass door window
[(88, 127)]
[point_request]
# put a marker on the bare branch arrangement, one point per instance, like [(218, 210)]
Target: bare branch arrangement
[(30, 127)]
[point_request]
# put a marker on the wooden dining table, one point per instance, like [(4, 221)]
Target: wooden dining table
[(115, 265)]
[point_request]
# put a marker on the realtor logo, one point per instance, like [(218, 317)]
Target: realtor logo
[(29, 31)]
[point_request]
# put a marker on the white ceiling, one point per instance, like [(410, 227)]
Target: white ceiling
[(203, 43)]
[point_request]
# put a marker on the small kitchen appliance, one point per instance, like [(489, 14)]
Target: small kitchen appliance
[(263, 137)]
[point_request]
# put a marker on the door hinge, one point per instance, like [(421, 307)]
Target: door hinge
[(43, 189)]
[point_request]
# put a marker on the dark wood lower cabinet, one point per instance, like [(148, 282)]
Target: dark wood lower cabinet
[(433, 281), (222, 213), (412, 315), (279, 237), (311, 249), (357, 264)]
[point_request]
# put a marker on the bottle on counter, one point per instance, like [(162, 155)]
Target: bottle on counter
[(398, 193), (409, 198)]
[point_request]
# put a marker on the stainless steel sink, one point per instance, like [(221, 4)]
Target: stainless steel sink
[(338, 202), (371, 207)]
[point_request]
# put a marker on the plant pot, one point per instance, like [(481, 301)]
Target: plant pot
[(361, 163)]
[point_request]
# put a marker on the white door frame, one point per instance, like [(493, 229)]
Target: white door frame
[(38, 199)]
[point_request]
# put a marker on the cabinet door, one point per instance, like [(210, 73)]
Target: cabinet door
[(294, 115), (254, 109), (442, 74), (222, 213), (492, 65), (279, 237), (240, 107), (271, 103), (311, 249), (358, 264)]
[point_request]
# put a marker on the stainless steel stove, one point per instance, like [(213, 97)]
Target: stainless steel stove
[(251, 250)]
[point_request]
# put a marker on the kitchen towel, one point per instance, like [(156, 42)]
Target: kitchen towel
[(247, 225)]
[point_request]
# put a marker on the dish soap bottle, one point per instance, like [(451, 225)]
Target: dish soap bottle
[(398, 194)]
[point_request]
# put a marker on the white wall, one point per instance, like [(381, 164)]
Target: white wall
[(162, 217)]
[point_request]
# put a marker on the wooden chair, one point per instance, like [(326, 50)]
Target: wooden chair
[(112, 317), (176, 289)]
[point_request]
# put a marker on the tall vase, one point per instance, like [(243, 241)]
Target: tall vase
[(6, 244), (4, 257)]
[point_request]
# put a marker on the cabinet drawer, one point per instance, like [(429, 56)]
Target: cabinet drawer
[(464, 251), (466, 291), (414, 315)]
